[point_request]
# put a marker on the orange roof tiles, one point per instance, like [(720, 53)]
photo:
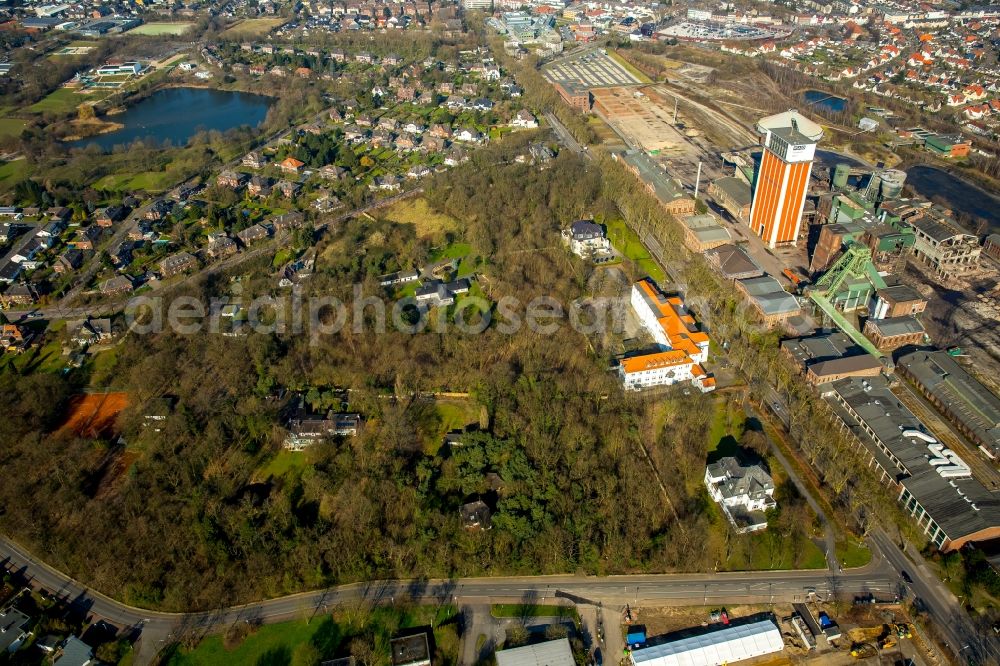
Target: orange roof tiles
[(666, 359), (680, 328)]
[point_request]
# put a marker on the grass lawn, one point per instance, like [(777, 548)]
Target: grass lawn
[(102, 366), (453, 251), (456, 413), (629, 67), (162, 29), (13, 172), (727, 426), (467, 266), (47, 358), (282, 464), (330, 635), (852, 553), (257, 27), (63, 100), (11, 126), (418, 213), (532, 610), (83, 44), (282, 257), (409, 290), (627, 242), (263, 646), (146, 180)]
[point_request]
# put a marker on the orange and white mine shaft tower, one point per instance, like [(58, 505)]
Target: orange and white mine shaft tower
[(779, 194)]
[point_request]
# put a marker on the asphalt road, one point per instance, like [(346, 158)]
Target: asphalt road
[(967, 642), (159, 628)]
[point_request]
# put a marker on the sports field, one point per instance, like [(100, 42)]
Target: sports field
[(94, 414), (257, 27), (158, 29)]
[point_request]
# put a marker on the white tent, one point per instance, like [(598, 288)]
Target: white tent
[(714, 648)]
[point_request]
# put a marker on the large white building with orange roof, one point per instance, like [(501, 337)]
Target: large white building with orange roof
[(685, 348)]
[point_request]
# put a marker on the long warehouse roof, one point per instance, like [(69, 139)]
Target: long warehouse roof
[(724, 646)]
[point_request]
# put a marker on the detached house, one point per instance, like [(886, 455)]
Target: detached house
[(220, 246), (177, 263), (524, 119), (230, 179), (259, 186), (586, 239), (116, 286), (106, 217), (252, 234), (291, 165), (253, 160), (305, 430), (744, 492)]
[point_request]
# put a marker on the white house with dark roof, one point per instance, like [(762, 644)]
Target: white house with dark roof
[(745, 492), (585, 238)]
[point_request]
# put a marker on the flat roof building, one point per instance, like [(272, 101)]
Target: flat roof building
[(671, 194), (549, 653), (932, 483), (769, 298), (703, 232), (972, 407), (829, 357), (891, 333)]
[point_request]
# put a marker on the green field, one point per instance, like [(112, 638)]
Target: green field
[(44, 358), (152, 181), (453, 251), (13, 172), (326, 637), (457, 413), (852, 553), (11, 126), (532, 610), (257, 27), (627, 242), (63, 100), (156, 29), (283, 463)]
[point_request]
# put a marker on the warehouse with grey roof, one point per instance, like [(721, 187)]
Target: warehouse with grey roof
[(933, 484), (969, 405)]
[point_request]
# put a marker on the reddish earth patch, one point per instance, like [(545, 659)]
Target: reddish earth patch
[(94, 414)]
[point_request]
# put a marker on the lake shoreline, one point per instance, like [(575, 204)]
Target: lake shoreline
[(173, 114)]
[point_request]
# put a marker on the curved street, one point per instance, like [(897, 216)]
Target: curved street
[(158, 628)]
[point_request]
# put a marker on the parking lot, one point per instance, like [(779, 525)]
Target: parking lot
[(595, 69)]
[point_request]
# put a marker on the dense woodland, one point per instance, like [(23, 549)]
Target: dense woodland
[(188, 510)]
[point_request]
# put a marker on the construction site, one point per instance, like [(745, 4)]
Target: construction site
[(867, 631)]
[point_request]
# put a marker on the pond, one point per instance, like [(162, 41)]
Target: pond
[(824, 100), (177, 114), (958, 194)]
